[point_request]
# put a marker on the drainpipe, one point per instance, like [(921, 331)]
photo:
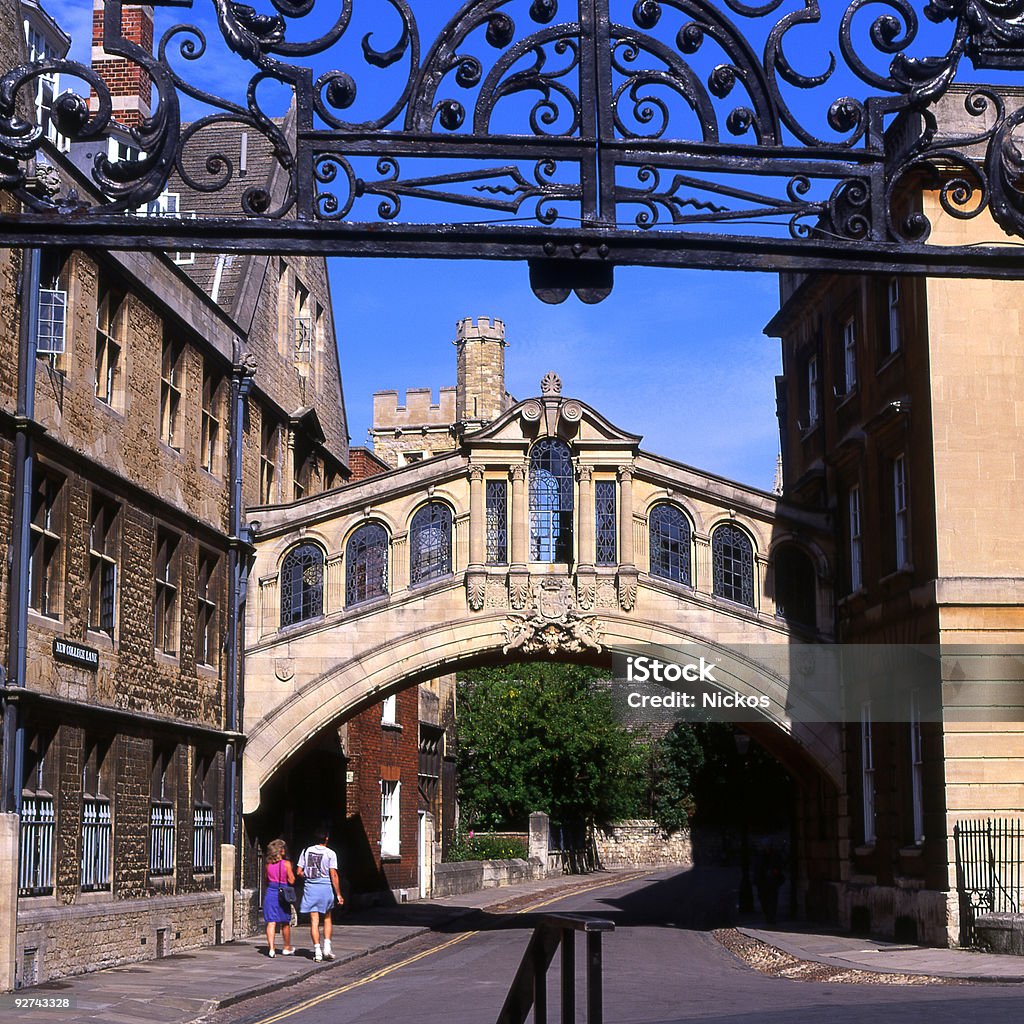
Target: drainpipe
[(239, 550), (18, 596)]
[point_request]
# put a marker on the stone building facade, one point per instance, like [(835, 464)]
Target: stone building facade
[(120, 615), (897, 409)]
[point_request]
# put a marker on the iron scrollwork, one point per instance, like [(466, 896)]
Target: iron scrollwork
[(679, 121)]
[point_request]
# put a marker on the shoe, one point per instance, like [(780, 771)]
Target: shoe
[(270, 953), (328, 952), (288, 952), (318, 954)]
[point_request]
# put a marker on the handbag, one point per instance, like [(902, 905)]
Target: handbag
[(287, 893)]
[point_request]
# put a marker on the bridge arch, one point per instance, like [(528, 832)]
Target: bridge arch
[(346, 686)]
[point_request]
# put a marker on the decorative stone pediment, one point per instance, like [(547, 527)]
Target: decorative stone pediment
[(552, 624)]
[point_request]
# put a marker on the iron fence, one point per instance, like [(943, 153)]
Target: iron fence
[(96, 842), (989, 870), (161, 838), (35, 860), (202, 838)]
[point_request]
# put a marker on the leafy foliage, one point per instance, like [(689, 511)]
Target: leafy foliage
[(542, 737), (677, 758), (474, 846)]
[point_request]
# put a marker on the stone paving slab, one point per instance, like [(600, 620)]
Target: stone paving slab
[(891, 958)]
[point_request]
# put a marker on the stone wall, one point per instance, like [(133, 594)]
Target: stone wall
[(54, 942), (637, 842), (474, 875)]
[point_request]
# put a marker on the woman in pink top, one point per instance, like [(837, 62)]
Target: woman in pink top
[(275, 910)]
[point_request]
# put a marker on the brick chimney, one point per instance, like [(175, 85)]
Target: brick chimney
[(131, 89)]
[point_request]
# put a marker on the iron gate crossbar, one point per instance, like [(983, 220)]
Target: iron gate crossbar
[(621, 158), (989, 871), (528, 990)]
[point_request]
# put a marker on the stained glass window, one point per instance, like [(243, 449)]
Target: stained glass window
[(669, 531), (604, 514), (366, 560), (497, 522), (732, 557), (302, 584), (551, 501), (430, 543)]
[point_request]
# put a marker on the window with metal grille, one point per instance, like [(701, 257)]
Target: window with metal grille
[(37, 819), (110, 319), (605, 523), (430, 543), (669, 533), (171, 384), (496, 495), (104, 543), (46, 551), (207, 604), (390, 824), (366, 560), (551, 501), (165, 592), (210, 455), (202, 815), (732, 559), (302, 584), (161, 813), (97, 824)]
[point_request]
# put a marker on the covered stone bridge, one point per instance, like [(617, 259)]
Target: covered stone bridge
[(548, 534)]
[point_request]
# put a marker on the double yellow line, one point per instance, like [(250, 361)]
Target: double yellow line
[(384, 971)]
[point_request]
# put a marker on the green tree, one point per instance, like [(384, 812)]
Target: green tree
[(677, 759), (544, 737)]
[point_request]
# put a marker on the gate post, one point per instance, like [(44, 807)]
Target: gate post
[(9, 824), (540, 827)]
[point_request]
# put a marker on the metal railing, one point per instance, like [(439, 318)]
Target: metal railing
[(161, 839), (96, 836), (35, 855), (989, 871), (202, 838), (529, 987)]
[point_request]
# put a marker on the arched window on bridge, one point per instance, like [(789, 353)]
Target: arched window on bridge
[(430, 543), (732, 561), (302, 584), (366, 564), (669, 532), (794, 577), (550, 501)]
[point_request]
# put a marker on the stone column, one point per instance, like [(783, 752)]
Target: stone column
[(228, 889), (765, 601), (519, 575), (477, 518), (626, 515), (702, 575), (586, 552), (520, 516), (8, 900), (476, 573), (540, 827)]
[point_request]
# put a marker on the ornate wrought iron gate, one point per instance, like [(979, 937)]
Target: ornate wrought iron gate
[(989, 866), (585, 133)]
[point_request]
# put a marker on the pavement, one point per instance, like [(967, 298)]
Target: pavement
[(182, 988)]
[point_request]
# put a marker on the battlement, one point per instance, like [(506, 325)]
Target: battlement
[(481, 329), (418, 409)]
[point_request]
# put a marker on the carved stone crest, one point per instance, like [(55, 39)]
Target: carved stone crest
[(284, 669), (553, 624)]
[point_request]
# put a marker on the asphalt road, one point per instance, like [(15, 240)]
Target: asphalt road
[(661, 967)]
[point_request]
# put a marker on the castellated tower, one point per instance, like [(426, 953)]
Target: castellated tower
[(480, 382), (419, 428), (130, 87)]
